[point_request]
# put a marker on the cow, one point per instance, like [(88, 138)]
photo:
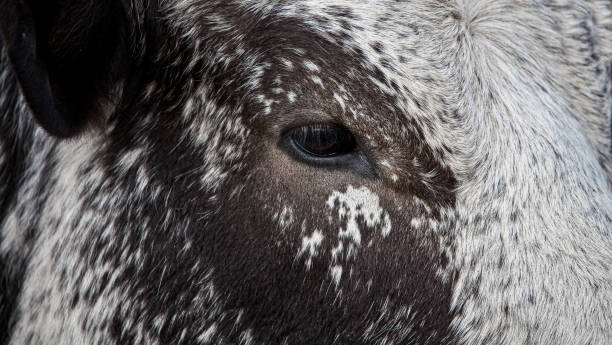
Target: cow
[(305, 172)]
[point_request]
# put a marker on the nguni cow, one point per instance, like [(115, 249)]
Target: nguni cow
[(305, 172)]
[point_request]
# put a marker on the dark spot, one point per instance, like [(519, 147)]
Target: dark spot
[(531, 299), (377, 46)]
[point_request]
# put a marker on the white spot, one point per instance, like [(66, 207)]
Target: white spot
[(246, 337), (288, 64), (143, 179), (149, 89), (158, 322), (310, 244), (266, 102), (207, 336), (340, 101), (311, 66), (386, 229), (285, 217), (291, 96), (239, 317), (188, 108), (129, 158), (336, 273), (316, 80), (352, 204), (337, 251)]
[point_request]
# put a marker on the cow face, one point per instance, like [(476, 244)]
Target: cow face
[(307, 173)]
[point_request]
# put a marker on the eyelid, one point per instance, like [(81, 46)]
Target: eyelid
[(357, 160), (284, 122), (323, 140)]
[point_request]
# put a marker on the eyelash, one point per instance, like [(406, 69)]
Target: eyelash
[(342, 151), (323, 140)]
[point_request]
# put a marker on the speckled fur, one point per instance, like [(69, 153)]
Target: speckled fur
[(179, 217)]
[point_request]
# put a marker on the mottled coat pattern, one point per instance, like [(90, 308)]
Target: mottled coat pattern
[(149, 193)]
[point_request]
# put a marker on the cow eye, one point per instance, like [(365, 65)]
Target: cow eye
[(323, 140)]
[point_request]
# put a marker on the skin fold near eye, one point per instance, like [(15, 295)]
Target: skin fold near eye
[(323, 140)]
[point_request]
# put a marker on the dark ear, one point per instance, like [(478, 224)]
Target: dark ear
[(63, 53)]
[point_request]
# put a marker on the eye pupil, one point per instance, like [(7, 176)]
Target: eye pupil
[(323, 140)]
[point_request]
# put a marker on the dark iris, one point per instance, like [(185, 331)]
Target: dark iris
[(323, 140)]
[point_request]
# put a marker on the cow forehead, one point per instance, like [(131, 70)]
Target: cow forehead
[(389, 44)]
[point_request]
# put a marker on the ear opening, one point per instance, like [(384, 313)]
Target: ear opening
[(65, 55)]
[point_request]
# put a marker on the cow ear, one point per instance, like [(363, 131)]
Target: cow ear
[(63, 53)]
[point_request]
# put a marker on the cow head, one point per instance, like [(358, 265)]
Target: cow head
[(309, 173)]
